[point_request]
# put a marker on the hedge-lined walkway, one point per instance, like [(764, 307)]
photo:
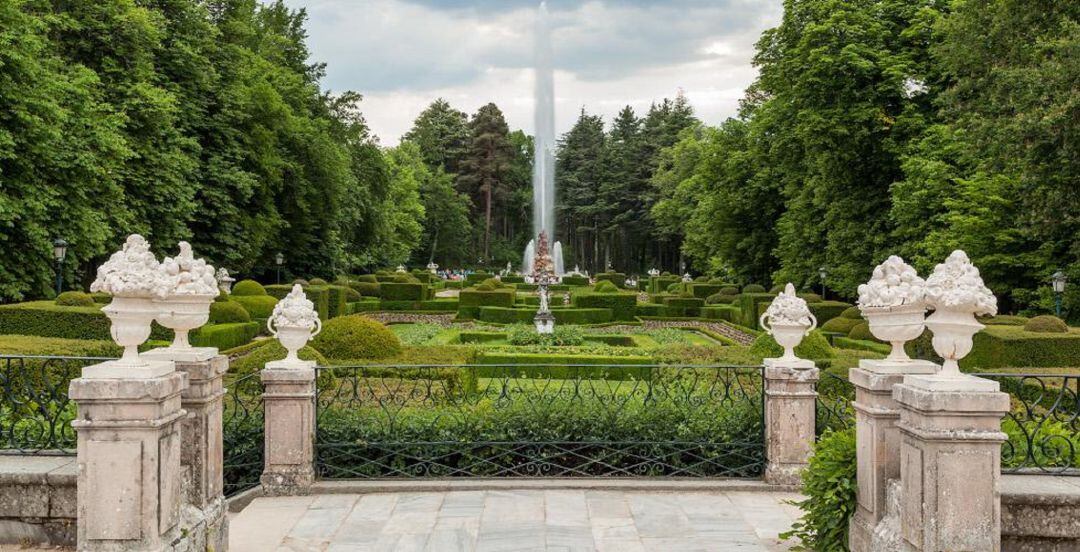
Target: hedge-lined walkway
[(498, 520)]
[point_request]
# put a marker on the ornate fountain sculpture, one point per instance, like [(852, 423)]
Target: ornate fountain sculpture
[(543, 275), (788, 319), (132, 276), (191, 286)]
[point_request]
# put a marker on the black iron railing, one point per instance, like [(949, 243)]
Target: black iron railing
[(242, 432), (833, 408), (35, 412), (1042, 424), (539, 420)]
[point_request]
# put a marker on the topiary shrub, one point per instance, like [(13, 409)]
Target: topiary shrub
[(814, 347), (729, 290), (861, 331), (258, 306), (674, 288), (852, 313), (1046, 324), (351, 295), (840, 325), (829, 485), (102, 298), (754, 288), (810, 297), (248, 288), (369, 278), (228, 312), (318, 282), (74, 299), (1003, 320), (356, 337), (718, 281), (605, 286), (405, 278), (719, 299)]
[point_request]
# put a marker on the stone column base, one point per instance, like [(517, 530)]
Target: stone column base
[(789, 419), (289, 442)]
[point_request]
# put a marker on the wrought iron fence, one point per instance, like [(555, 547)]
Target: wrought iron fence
[(833, 408), (35, 411), (539, 420), (1042, 424), (242, 432)]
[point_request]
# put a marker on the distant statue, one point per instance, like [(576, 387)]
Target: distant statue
[(224, 281)]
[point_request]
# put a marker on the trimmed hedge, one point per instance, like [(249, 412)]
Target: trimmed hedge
[(814, 346), (367, 278), (659, 284), (1012, 346), (1040, 324), (861, 332), (46, 319), (703, 291), (617, 278), (224, 336), (338, 299), (56, 346), (367, 289), (649, 309), (512, 279), (754, 288), (684, 306), (228, 312), (723, 312), (258, 306), (403, 292), (248, 287), (862, 345), (502, 315), (622, 305), (470, 301), (575, 280), (74, 299), (840, 325), (439, 305), (476, 278), (748, 307), (555, 366), (356, 337), (101, 298), (825, 311), (363, 306), (268, 350)]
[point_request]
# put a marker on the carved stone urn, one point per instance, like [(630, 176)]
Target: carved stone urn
[(132, 277), (294, 322), (192, 286), (957, 294), (894, 304), (788, 319)]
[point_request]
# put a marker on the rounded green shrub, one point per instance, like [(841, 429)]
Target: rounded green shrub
[(351, 295), (484, 286), (665, 273), (702, 279), (840, 325), (719, 299), (1004, 320), (74, 299), (810, 297), (369, 278), (861, 331), (405, 278), (814, 346), (674, 288), (1046, 324), (729, 290), (228, 312), (221, 296), (255, 359), (716, 281), (258, 306), (605, 286), (248, 287), (101, 297), (356, 337), (301, 281), (852, 313), (753, 288), (318, 282)]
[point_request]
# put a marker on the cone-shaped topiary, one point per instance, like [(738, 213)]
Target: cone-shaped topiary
[(74, 299), (814, 346), (356, 337), (248, 287), (1046, 324)]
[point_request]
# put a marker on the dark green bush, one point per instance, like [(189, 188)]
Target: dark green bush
[(605, 286), (840, 325), (813, 347), (502, 315), (720, 299), (1004, 320), (720, 312), (101, 298), (717, 281), (683, 306), (317, 282), (829, 485), (368, 278), (255, 359), (367, 289), (753, 288), (512, 279), (852, 312), (1012, 346), (74, 299), (675, 287), (524, 334), (258, 306), (405, 278), (46, 319), (749, 305), (777, 288), (248, 287), (622, 305), (617, 278), (356, 337), (650, 309), (575, 280), (825, 311), (301, 281), (224, 336), (470, 301), (703, 291), (729, 290), (402, 291), (228, 312), (861, 331), (1042, 324), (810, 297), (554, 366)]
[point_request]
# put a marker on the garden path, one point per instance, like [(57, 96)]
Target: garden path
[(523, 519)]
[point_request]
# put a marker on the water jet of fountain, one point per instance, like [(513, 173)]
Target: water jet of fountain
[(543, 178)]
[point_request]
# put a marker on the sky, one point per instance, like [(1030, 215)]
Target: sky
[(403, 54)]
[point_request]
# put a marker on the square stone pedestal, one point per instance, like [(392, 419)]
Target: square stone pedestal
[(790, 400), (950, 463), (289, 406), (129, 447), (877, 439)]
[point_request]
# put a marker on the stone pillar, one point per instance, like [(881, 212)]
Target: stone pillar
[(129, 479), (877, 438), (201, 456), (950, 465), (289, 441), (790, 401)]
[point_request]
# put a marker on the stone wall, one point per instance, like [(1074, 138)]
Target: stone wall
[(37, 499)]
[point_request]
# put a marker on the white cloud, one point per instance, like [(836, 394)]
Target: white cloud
[(403, 54)]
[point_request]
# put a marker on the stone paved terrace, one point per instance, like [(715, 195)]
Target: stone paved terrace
[(517, 520)]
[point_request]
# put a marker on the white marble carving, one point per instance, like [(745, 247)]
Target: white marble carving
[(957, 294), (294, 322), (894, 304), (225, 281), (192, 287), (788, 319)]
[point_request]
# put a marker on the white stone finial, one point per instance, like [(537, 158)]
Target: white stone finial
[(292, 322), (186, 275), (192, 286), (893, 284), (131, 272), (225, 281), (788, 319), (957, 285)]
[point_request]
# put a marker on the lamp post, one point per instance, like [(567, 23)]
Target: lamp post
[(59, 249), (1058, 280), (823, 272), (279, 260)]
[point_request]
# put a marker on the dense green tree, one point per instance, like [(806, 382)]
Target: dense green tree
[(578, 172), (485, 169), (442, 134)]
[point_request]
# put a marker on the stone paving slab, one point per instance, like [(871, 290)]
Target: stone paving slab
[(499, 520)]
